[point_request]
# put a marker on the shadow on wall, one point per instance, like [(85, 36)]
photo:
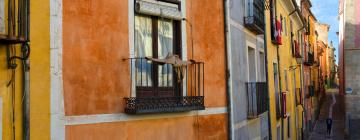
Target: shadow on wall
[(350, 74)]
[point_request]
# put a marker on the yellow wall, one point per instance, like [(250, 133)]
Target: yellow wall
[(7, 93), (286, 61), (40, 70)]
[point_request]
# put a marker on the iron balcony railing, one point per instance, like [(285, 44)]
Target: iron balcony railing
[(255, 19), (162, 88), (310, 59), (311, 90), (257, 98)]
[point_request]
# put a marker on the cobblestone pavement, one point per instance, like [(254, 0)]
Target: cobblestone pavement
[(338, 115)]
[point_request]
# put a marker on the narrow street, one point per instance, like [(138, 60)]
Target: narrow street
[(333, 107)]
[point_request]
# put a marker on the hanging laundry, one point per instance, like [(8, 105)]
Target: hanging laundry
[(176, 62)]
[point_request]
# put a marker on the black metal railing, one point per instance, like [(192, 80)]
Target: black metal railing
[(161, 88), (257, 99), (283, 105), (311, 90), (310, 59), (255, 19)]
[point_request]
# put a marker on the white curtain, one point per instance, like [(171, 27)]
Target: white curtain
[(165, 39), (143, 48)]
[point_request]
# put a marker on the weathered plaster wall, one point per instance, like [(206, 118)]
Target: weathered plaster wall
[(207, 34), (96, 79), (6, 95), (95, 35), (40, 70), (182, 128), (351, 46)]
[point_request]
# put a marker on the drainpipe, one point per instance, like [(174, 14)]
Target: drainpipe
[(302, 85), (280, 86), (281, 96), (267, 76), (228, 70), (26, 74)]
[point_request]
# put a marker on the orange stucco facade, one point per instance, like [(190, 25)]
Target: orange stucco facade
[(207, 21), (182, 128), (95, 40), (96, 79)]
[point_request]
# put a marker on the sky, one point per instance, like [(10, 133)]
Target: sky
[(326, 11)]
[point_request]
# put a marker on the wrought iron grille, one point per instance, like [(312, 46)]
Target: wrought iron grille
[(255, 19), (136, 105), (257, 98), (311, 91), (161, 88), (283, 105)]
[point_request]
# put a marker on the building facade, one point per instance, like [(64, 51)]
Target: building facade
[(284, 26), (322, 31), (111, 83), (311, 67), (14, 69), (161, 69), (248, 87), (349, 66)]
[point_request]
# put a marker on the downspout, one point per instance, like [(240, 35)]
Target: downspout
[(281, 96), (26, 74), (302, 84), (267, 76), (228, 70)]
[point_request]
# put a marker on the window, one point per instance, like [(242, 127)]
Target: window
[(286, 80), (277, 92), (154, 37), (251, 64), (292, 39), (160, 80), (283, 25), (289, 127), (278, 130), (262, 67), (254, 19), (2, 17), (256, 98)]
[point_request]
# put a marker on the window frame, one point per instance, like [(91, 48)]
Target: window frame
[(155, 89)]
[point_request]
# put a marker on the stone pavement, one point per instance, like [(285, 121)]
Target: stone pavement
[(338, 116)]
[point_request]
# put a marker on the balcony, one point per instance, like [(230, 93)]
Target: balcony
[(311, 93), (164, 88), (257, 99), (255, 19), (310, 59), (297, 49)]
